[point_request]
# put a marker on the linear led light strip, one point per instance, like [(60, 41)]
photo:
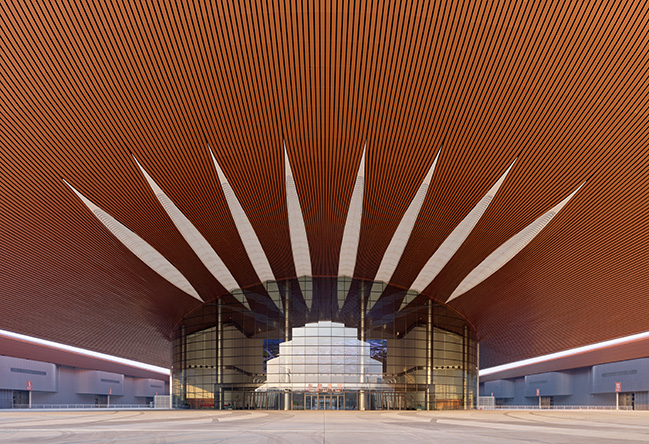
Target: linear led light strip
[(565, 353), (84, 352)]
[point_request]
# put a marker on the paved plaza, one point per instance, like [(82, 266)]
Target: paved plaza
[(176, 426)]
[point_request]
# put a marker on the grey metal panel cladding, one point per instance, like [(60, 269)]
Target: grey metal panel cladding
[(549, 384), (15, 372), (6, 399), (93, 382), (149, 387), (501, 388), (642, 401), (633, 375)]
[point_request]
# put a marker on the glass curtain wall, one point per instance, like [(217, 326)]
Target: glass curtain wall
[(324, 343)]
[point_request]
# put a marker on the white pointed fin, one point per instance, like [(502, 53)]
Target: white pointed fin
[(375, 293), (297, 230), (508, 250), (352, 230), (222, 177), (273, 291), (408, 298), (454, 240), (244, 227), (240, 296), (154, 186), (140, 248), (344, 284), (195, 239), (306, 287), (402, 235)]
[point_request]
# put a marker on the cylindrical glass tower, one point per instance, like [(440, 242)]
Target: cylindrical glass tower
[(324, 343)]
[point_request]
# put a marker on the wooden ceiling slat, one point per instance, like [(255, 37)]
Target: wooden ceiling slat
[(561, 87)]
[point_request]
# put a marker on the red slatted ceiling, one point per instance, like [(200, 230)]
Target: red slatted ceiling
[(563, 88)]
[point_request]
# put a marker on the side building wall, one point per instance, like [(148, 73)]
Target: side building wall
[(588, 386), (53, 385)]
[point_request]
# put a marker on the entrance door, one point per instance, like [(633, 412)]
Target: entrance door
[(311, 402), (20, 398), (547, 402), (627, 401), (324, 401)]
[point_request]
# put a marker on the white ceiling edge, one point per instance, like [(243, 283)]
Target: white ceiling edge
[(85, 352), (564, 353)]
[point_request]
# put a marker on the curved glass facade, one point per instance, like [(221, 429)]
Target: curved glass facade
[(324, 343)]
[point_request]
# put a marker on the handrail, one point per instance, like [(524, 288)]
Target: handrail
[(554, 407), (83, 406)]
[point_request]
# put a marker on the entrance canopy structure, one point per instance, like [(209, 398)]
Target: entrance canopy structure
[(492, 157)]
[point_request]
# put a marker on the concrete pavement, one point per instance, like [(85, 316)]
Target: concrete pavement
[(182, 426)]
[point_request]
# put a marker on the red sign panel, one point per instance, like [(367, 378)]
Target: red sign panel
[(30, 386), (538, 392), (618, 387), (110, 391)]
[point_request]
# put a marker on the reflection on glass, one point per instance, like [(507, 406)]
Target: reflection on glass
[(335, 359), (333, 356)]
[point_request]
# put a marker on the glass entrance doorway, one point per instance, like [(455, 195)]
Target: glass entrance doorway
[(324, 401), (388, 401), (627, 401), (261, 400)]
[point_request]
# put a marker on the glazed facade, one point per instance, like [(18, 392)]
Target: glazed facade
[(321, 348)]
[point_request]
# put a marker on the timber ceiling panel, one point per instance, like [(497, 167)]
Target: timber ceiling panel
[(560, 87)]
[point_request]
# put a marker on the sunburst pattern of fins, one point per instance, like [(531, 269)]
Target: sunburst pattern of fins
[(352, 230), (508, 250), (402, 235), (247, 234), (139, 247), (454, 240), (195, 239), (296, 227)]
